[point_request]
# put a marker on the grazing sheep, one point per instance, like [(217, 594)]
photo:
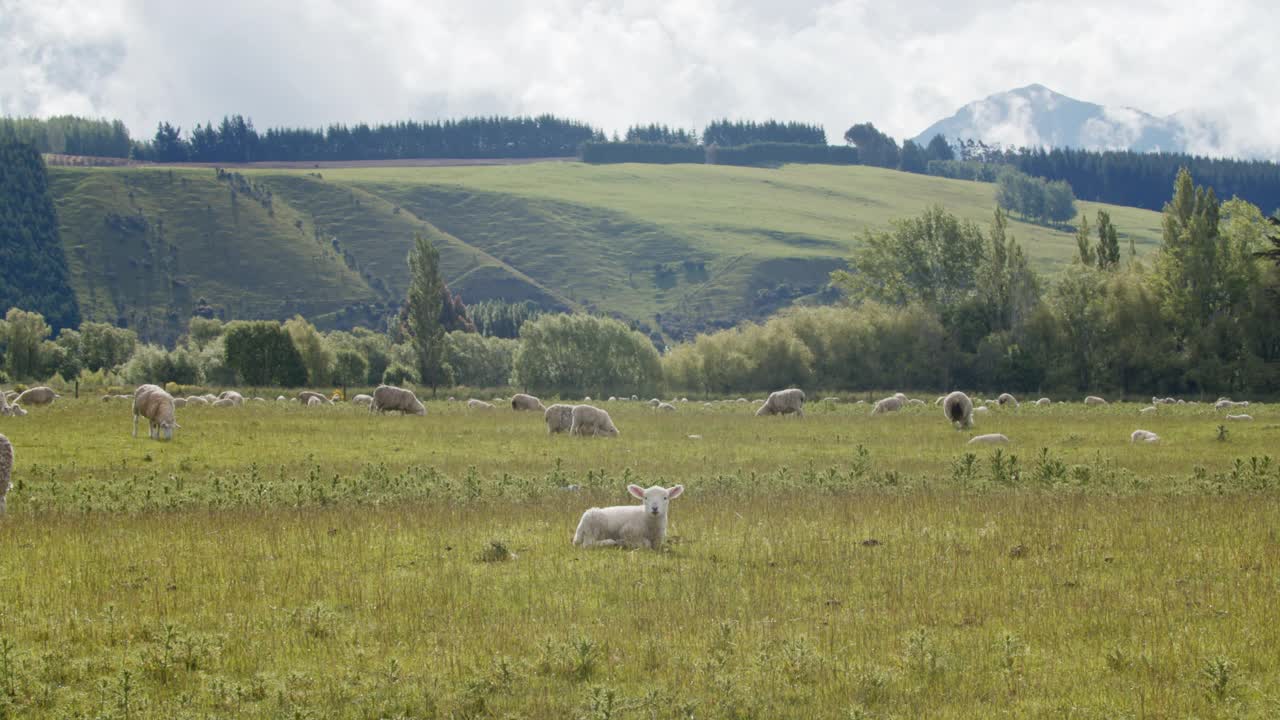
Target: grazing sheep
[(258, 399), (306, 395), (783, 402), (196, 400), (888, 405), (6, 470), (1007, 399), (37, 396), (981, 410), (1240, 417), (362, 399), (643, 526), (223, 402), (655, 402), (389, 397), (586, 399), (613, 398), (179, 402), (1147, 410), (156, 405), (1226, 404), (559, 418), (209, 397), (312, 401), (591, 420), (1094, 400), (959, 409), (281, 398), (474, 404), (666, 407), (914, 402), (1143, 436), (992, 438), (741, 400), (1044, 401), (635, 398), (231, 395), (520, 401)]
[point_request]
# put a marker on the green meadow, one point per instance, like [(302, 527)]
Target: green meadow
[(676, 247), (281, 561)]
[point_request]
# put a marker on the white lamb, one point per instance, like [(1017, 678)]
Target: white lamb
[(362, 399), (888, 405), (642, 526), (666, 407), (1240, 417), (1143, 436), (474, 404), (1043, 401), (1147, 410), (1094, 400)]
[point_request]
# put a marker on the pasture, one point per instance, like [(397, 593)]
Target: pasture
[(279, 561)]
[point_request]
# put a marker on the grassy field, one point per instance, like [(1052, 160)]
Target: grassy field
[(277, 561), (696, 244)]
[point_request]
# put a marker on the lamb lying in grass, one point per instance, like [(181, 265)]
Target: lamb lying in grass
[(1143, 436), (629, 525), (988, 439)]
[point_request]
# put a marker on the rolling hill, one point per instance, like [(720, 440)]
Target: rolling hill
[(675, 248)]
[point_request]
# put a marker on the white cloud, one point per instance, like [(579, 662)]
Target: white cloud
[(684, 62)]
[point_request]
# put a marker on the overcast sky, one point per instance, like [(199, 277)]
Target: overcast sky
[(901, 65)]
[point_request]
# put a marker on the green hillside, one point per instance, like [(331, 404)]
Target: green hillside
[(677, 247)]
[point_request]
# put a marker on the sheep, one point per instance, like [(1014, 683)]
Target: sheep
[(1240, 417), (260, 400), (223, 402), (1226, 404), (231, 395), (305, 395), (613, 398), (1044, 401), (635, 526), (981, 410), (474, 404), (666, 407), (1143, 436), (914, 402), (179, 402), (890, 404), (362, 399), (1007, 399), (591, 420), (389, 397), (1094, 400), (6, 470), (156, 405), (741, 400), (586, 399), (312, 401), (521, 401), (958, 408), (830, 399), (10, 395), (783, 402), (559, 418), (992, 438), (196, 400), (209, 397), (635, 398), (281, 398), (1147, 410), (37, 396), (655, 402)]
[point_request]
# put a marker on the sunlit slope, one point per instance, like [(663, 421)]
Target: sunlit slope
[(677, 248)]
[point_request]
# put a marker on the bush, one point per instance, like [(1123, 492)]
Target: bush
[(770, 153), (641, 152)]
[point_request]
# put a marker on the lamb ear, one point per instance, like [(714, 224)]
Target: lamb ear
[(674, 492), (636, 490)]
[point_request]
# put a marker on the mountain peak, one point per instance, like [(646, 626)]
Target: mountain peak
[(1037, 116)]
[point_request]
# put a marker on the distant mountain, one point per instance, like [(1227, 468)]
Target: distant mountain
[(1035, 116)]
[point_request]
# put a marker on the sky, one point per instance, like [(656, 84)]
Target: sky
[(901, 65)]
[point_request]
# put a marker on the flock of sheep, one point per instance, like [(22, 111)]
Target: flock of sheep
[(642, 525)]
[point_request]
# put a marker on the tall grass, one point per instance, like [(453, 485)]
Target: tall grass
[(285, 562)]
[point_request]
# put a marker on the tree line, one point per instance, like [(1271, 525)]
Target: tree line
[(69, 135)]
